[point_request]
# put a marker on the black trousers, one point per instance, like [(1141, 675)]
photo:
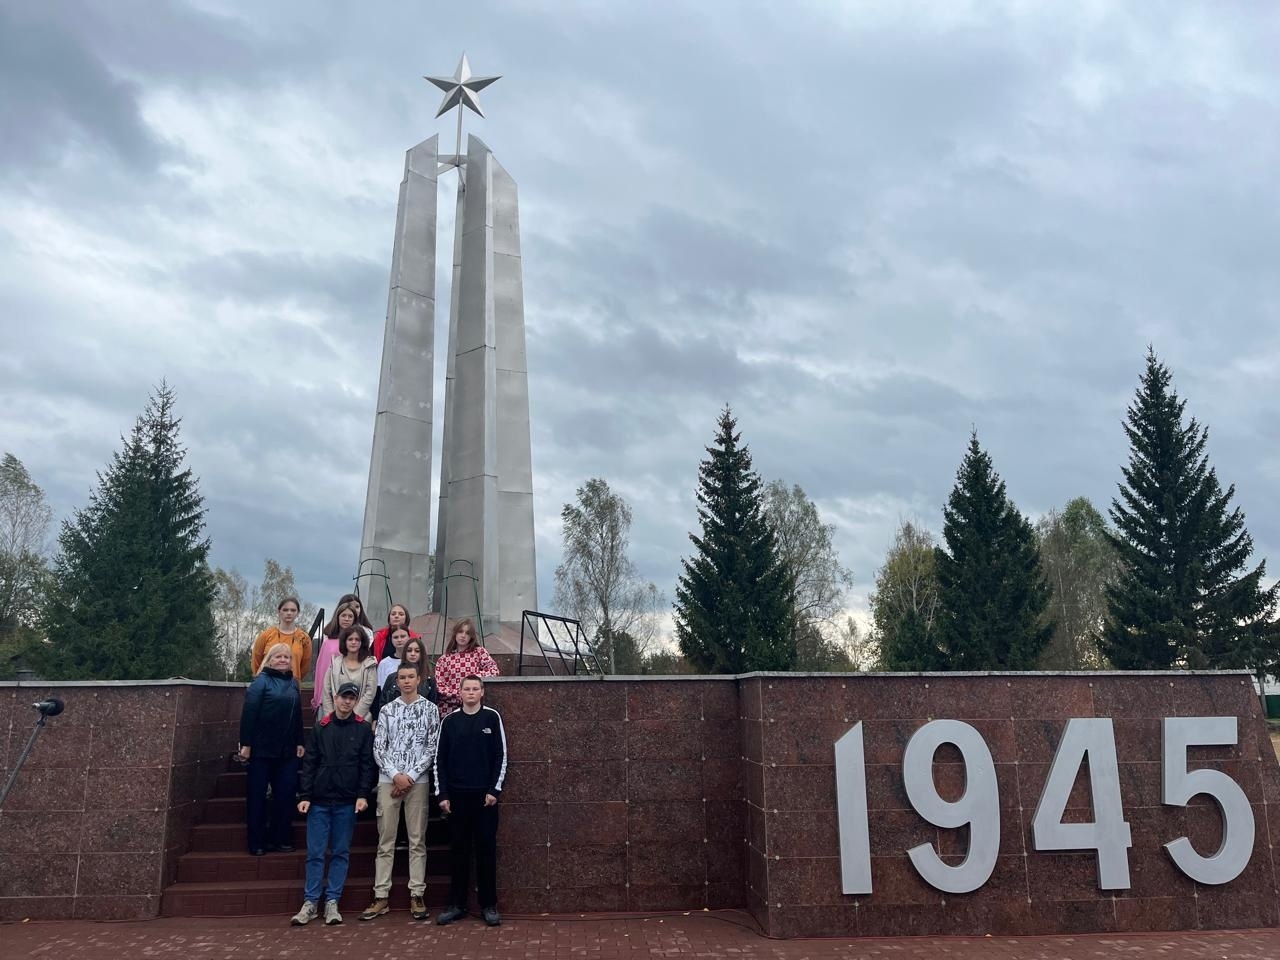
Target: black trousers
[(473, 828), (274, 829)]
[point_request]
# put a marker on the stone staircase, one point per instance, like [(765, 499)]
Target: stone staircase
[(217, 877)]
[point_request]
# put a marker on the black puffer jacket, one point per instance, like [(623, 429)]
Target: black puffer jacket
[(338, 766), (271, 721)]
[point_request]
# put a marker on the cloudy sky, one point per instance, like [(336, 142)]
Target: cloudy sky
[(868, 227)]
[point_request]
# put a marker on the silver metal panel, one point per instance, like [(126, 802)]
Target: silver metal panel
[(1179, 785), (517, 580), (851, 812), (399, 517), (508, 300), (446, 442), (514, 456), (472, 437), (505, 218), (411, 350), (398, 500), (473, 536)]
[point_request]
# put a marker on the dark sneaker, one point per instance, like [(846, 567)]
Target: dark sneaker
[(417, 909), (450, 915), (491, 917), (376, 909)]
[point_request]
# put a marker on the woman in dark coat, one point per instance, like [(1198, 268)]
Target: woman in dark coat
[(271, 744)]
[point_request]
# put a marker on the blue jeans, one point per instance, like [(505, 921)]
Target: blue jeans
[(329, 827)]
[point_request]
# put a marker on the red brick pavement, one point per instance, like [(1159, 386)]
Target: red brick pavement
[(727, 934)]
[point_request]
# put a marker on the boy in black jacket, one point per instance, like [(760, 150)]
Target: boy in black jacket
[(471, 763), (337, 779)]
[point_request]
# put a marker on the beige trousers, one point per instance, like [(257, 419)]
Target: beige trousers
[(415, 823)]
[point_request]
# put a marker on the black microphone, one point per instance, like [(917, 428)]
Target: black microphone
[(49, 708)]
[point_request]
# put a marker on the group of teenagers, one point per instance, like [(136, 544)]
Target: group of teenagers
[(387, 725)]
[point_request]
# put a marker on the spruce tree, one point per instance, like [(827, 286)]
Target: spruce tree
[(991, 590), (735, 600), (133, 589), (1183, 596)]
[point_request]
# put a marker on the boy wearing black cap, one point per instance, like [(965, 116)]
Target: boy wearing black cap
[(336, 781)]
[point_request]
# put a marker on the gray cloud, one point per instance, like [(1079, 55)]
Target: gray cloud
[(868, 229)]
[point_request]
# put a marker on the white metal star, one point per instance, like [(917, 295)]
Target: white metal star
[(461, 89)]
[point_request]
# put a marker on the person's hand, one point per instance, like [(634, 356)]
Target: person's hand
[(362, 805), (301, 750), (445, 807), (403, 781), (244, 752), (396, 792), (304, 806), (490, 799)]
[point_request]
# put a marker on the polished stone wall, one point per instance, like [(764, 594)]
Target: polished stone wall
[(793, 877), (622, 795), (678, 794), (103, 806)]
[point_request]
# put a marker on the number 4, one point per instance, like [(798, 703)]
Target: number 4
[(1108, 834)]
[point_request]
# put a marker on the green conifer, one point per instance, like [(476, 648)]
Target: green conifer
[(133, 587), (735, 600), (992, 593), (1183, 596)]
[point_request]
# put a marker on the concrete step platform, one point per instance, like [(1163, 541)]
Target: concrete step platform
[(264, 897)]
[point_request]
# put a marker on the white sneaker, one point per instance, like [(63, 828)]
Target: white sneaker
[(331, 914), (305, 915)]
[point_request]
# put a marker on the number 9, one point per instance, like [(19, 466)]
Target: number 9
[(979, 808)]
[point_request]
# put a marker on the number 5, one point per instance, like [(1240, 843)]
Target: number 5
[(1180, 785)]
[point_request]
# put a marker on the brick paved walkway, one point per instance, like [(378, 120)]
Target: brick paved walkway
[(723, 934)]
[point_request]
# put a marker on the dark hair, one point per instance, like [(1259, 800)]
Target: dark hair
[(422, 653), (353, 631), (465, 624), (293, 600), (333, 628), (471, 676), (362, 617), (392, 607), (406, 665)]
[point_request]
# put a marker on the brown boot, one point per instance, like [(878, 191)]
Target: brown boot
[(376, 909), (417, 909)]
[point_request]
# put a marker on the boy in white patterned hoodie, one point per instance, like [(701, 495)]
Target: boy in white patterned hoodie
[(404, 745)]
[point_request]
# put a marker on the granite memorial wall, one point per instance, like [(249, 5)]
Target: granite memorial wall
[(709, 792)]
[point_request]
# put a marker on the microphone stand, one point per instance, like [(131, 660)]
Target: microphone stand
[(22, 757)]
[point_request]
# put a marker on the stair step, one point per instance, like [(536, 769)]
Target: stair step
[(214, 866), (224, 809), (214, 837), (259, 898)]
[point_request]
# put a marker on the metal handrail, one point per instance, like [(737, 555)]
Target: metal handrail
[(442, 626), (385, 577), (578, 649), (317, 626)]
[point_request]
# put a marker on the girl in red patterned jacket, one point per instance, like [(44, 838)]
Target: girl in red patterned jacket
[(462, 657)]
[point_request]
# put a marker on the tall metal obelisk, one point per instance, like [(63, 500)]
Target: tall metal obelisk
[(486, 474), (486, 484), (397, 512)]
